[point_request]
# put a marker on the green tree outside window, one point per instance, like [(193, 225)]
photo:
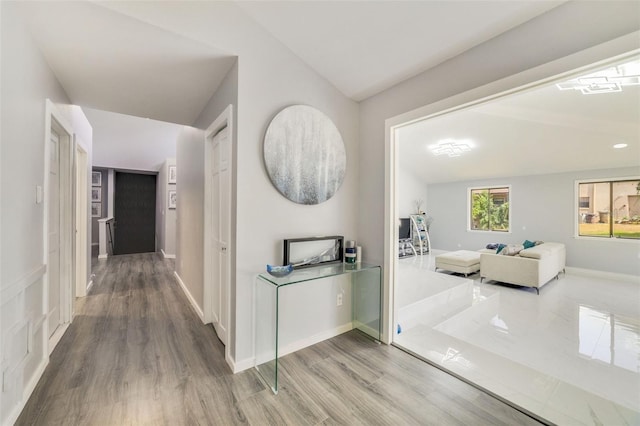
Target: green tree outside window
[(490, 209)]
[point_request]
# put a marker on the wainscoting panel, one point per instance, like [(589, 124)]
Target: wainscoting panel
[(22, 341)]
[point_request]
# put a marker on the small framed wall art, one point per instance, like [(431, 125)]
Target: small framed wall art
[(172, 199), (173, 174), (96, 178), (96, 209), (96, 194)]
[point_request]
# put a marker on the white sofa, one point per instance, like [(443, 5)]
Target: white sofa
[(532, 267)]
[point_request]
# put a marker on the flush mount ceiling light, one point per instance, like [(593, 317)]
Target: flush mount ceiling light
[(451, 147), (620, 145), (609, 80)]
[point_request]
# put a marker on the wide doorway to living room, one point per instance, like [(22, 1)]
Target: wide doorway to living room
[(516, 263)]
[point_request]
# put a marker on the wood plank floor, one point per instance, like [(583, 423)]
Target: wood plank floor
[(136, 354)]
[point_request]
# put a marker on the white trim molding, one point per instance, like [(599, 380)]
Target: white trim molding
[(10, 292), (167, 256), (602, 54)]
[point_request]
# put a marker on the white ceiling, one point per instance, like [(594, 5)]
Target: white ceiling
[(541, 131), (364, 47), (112, 62), (131, 143), (106, 59)]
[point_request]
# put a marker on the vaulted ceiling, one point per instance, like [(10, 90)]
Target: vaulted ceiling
[(107, 59)]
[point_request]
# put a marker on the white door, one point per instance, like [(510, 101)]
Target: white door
[(221, 208), (53, 267)]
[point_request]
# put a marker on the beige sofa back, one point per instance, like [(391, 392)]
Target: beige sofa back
[(532, 267)]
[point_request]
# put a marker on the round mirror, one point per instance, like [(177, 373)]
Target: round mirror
[(304, 155)]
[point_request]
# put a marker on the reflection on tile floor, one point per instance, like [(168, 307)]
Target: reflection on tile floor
[(570, 355)]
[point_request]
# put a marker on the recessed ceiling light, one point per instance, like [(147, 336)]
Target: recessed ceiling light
[(620, 145), (451, 147)]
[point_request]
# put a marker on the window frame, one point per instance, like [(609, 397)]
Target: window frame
[(576, 207), (488, 188)]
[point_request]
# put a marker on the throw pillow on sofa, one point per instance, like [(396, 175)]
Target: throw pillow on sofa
[(511, 249), (528, 244)]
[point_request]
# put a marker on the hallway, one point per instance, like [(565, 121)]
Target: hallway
[(137, 354)]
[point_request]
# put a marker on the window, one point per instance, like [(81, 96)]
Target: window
[(609, 209), (584, 202), (489, 209)]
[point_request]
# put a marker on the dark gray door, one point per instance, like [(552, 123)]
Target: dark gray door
[(135, 213)]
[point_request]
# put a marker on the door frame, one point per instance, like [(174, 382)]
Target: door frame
[(225, 119), (82, 208), (55, 120), (608, 52)]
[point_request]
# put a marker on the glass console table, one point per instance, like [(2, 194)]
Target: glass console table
[(366, 308)]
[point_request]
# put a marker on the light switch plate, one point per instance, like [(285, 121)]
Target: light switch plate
[(38, 194)]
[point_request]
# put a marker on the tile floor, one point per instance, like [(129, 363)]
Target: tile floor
[(570, 355)]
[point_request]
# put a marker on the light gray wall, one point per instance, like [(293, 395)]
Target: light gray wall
[(270, 78), (190, 211), (542, 208), (26, 82), (567, 29), (411, 189), (267, 84)]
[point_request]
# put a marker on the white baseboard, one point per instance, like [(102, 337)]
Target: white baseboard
[(243, 365), (57, 335), (27, 391), (167, 256), (37, 375), (89, 286), (103, 256), (613, 276), (194, 305)]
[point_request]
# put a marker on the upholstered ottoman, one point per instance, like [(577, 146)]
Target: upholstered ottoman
[(461, 261)]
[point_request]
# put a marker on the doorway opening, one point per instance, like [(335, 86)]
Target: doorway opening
[(472, 330), (135, 213)]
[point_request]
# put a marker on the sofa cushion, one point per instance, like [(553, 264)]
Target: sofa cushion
[(528, 244), (531, 254), (537, 252), (511, 249)]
